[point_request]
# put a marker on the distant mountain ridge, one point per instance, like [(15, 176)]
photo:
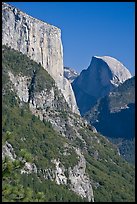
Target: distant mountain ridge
[(102, 76), (114, 115), (70, 74), (50, 153)]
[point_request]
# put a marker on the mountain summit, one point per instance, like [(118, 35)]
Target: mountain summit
[(49, 153), (102, 76), (119, 72)]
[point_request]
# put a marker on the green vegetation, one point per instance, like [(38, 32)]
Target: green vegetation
[(114, 117), (114, 179), (20, 64), (18, 187), (40, 138), (33, 140), (37, 142)]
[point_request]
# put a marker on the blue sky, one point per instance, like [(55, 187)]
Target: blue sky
[(90, 28)]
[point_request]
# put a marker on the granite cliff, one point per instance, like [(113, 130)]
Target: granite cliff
[(41, 42), (102, 76), (50, 153)]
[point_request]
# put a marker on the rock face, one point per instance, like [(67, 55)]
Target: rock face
[(7, 150), (29, 168), (102, 76), (80, 182), (114, 117), (39, 41), (21, 86), (70, 74), (62, 146), (69, 95)]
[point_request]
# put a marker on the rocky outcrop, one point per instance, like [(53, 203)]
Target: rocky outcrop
[(77, 178), (60, 177), (114, 117), (7, 150), (21, 84), (70, 74), (119, 73), (40, 41), (69, 96), (102, 76), (80, 156), (47, 104), (80, 182), (29, 168)]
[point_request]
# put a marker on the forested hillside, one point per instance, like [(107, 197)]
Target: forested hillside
[(53, 155)]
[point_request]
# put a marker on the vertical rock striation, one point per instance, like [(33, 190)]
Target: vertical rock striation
[(80, 182), (38, 40)]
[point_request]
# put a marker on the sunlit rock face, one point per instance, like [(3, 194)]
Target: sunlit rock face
[(38, 40), (102, 76), (70, 74)]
